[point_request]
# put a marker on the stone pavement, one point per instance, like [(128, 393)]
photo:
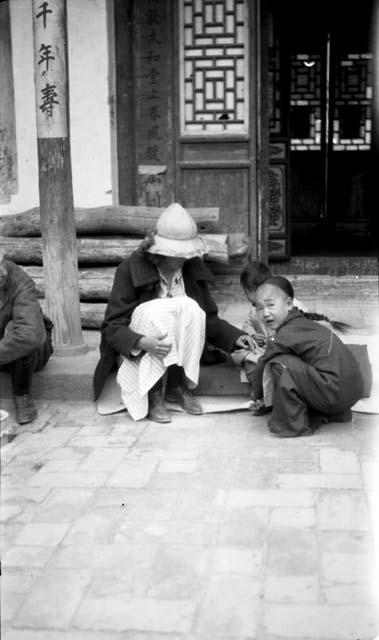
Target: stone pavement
[(206, 528)]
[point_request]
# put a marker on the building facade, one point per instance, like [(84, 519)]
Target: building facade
[(253, 106)]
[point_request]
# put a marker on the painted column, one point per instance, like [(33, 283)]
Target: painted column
[(60, 257)]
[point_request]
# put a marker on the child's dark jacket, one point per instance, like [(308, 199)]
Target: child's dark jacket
[(137, 281), (333, 364)]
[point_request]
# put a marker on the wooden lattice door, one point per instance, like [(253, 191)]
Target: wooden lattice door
[(326, 76)]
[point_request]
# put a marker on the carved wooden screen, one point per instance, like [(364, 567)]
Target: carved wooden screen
[(217, 147), (352, 102), (279, 248), (351, 97), (305, 100), (214, 79)]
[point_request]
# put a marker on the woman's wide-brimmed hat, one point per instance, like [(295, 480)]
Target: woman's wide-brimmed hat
[(176, 235)]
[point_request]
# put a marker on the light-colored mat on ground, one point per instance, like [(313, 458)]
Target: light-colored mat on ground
[(3, 414), (110, 400), (370, 404)]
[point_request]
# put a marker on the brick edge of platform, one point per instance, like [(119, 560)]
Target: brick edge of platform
[(71, 379)]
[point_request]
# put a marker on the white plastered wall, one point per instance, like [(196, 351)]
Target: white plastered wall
[(89, 104)]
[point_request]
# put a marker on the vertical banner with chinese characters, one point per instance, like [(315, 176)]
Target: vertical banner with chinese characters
[(50, 68), (153, 115), (60, 254)]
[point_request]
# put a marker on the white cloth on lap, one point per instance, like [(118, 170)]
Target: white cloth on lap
[(182, 319)]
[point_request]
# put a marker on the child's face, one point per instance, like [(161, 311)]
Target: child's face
[(273, 305), (251, 295)]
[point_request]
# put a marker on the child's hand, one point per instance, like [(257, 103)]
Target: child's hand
[(246, 342), (258, 408), (260, 339)]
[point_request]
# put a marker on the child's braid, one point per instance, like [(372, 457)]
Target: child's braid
[(315, 316), (342, 327)]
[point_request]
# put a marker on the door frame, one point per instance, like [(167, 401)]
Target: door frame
[(257, 139)]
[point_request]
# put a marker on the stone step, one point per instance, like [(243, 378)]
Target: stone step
[(337, 265), (349, 298), (321, 287), (70, 378)]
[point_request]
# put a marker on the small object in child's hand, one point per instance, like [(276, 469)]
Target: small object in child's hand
[(247, 342), (260, 339)]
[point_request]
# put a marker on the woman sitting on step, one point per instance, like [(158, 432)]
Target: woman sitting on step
[(160, 318)]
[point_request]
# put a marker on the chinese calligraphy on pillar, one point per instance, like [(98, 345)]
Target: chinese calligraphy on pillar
[(153, 109), (149, 76), (50, 68)]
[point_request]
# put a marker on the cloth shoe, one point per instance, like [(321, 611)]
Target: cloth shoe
[(25, 409), (157, 410), (186, 399), (344, 416)]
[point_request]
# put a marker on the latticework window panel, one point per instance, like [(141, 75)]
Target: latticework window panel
[(305, 102), (353, 94), (214, 65)]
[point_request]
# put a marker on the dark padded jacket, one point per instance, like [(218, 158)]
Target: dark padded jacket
[(22, 328), (137, 281), (335, 371)]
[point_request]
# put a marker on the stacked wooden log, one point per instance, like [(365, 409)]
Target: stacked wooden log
[(106, 236)]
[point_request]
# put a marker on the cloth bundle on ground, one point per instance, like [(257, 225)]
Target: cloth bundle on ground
[(183, 321)]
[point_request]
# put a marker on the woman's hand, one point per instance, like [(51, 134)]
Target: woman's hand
[(156, 345), (246, 342)]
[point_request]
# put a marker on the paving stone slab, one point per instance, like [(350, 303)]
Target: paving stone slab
[(292, 552), (230, 607), (292, 589), (321, 622), (343, 510), (117, 612), (53, 600), (346, 568), (298, 517)]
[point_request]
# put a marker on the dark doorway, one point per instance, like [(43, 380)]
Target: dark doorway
[(327, 89)]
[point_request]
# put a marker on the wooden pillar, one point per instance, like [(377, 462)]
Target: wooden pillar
[(259, 131), (60, 259)]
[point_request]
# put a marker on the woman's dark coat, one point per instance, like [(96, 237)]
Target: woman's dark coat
[(137, 281)]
